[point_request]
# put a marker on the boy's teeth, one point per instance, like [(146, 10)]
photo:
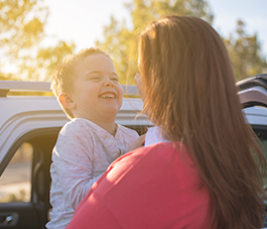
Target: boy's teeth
[(108, 96)]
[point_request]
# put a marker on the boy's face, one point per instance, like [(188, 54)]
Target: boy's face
[(97, 93)]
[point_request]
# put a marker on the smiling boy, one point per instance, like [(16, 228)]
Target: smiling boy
[(88, 90)]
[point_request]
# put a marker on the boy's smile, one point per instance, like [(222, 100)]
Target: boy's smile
[(97, 93), (108, 95)]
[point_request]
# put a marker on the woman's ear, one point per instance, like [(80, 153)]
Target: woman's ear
[(66, 101)]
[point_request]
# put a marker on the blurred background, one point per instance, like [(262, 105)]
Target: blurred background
[(36, 34)]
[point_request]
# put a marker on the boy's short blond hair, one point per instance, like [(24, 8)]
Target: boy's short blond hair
[(64, 74)]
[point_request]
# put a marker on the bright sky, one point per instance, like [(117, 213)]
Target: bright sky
[(82, 21)]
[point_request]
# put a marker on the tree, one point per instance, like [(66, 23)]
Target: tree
[(120, 41), (41, 65), (22, 25), (245, 53)]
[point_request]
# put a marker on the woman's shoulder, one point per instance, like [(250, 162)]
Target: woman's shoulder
[(159, 155), (159, 166), (166, 150), (150, 180)]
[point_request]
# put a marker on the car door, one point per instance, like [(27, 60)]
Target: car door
[(25, 181)]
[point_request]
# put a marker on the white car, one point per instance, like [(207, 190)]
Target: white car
[(29, 126)]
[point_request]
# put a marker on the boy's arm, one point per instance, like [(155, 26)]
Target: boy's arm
[(73, 165)]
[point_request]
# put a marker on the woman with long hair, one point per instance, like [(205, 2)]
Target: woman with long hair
[(205, 171)]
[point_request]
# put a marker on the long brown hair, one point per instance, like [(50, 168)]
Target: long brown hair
[(189, 90)]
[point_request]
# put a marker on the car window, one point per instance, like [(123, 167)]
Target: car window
[(261, 132), (264, 149), (15, 181)]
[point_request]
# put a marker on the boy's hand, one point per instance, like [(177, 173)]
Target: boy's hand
[(140, 142)]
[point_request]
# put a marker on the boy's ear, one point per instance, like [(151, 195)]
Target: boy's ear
[(66, 101)]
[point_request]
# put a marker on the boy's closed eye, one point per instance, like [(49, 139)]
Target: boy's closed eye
[(94, 76), (115, 79)]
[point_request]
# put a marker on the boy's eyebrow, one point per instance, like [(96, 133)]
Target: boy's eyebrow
[(90, 72), (99, 72)]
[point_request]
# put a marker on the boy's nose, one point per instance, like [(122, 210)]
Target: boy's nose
[(108, 83)]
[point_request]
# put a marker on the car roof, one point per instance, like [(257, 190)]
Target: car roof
[(23, 114), (253, 91)]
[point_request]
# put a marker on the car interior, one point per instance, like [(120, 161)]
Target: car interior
[(29, 207)]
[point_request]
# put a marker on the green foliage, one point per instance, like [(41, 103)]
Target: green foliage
[(121, 42), (118, 43), (144, 12), (245, 53), (20, 197), (22, 25), (41, 65), (7, 76)]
